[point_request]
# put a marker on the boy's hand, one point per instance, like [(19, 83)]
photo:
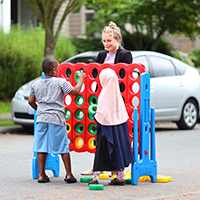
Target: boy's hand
[(77, 88), (82, 75)]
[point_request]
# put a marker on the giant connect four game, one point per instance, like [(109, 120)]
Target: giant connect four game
[(81, 127)]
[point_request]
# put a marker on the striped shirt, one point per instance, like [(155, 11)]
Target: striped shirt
[(49, 93)]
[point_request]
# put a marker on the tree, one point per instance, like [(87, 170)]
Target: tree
[(152, 18), (46, 12)]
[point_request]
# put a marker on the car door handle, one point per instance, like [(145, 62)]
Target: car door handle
[(181, 84)]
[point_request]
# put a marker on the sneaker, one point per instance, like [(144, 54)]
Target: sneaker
[(89, 172)]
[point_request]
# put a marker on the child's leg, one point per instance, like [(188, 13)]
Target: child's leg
[(95, 178), (120, 174), (41, 165), (96, 175), (67, 164)]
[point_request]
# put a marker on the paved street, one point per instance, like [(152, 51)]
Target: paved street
[(177, 156)]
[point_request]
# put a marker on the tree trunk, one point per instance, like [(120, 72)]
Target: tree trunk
[(156, 42), (50, 43)]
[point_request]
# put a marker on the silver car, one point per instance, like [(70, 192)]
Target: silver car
[(174, 89)]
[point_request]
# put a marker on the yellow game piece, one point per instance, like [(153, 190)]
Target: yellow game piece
[(114, 176), (160, 178), (147, 178), (103, 176), (127, 175), (141, 179), (163, 179), (169, 178)]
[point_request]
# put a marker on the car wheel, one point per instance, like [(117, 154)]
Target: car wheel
[(189, 115)]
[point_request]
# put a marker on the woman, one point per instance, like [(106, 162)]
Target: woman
[(113, 53)]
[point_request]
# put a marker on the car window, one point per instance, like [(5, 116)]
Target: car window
[(162, 67), (82, 59), (142, 60), (181, 69)]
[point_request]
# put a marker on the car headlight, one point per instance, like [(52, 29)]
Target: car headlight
[(18, 95)]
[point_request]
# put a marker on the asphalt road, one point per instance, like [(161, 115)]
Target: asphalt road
[(177, 156)]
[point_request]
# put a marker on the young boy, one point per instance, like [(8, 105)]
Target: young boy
[(47, 97)]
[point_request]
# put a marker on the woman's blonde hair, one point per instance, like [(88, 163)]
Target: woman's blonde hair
[(113, 30)]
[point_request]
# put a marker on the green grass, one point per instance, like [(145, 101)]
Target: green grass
[(4, 107), (7, 123)]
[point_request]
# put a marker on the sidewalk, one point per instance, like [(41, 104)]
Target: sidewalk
[(6, 116)]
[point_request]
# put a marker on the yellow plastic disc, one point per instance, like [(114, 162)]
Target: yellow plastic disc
[(90, 143), (141, 179), (68, 127), (147, 178), (103, 176), (169, 178), (113, 177), (127, 175), (79, 142), (163, 179)]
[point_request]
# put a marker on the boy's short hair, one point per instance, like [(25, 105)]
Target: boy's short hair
[(48, 64)]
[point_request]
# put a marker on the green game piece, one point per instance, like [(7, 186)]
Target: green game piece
[(92, 129), (79, 128), (93, 100), (127, 181), (67, 114), (79, 114), (85, 179), (76, 77), (91, 117), (80, 100), (92, 109), (96, 187)]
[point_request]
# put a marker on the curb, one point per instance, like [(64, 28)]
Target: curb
[(11, 129)]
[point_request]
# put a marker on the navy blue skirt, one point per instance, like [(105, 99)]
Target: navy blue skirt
[(113, 151)]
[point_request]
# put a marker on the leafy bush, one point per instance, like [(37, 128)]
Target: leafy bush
[(64, 49), (21, 56), (83, 45), (195, 57), (146, 42), (183, 57)]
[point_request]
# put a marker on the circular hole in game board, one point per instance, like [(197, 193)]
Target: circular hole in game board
[(68, 72), (122, 73), (122, 87), (68, 100), (136, 73), (68, 127), (135, 87), (81, 69), (94, 86), (123, 99), (82, 88), (135, 101), (94, 73), (93, 99)]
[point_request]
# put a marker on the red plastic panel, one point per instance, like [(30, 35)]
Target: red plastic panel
[(79, 124)]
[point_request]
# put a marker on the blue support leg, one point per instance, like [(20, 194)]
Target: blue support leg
[(145, 166), (52, 160)]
